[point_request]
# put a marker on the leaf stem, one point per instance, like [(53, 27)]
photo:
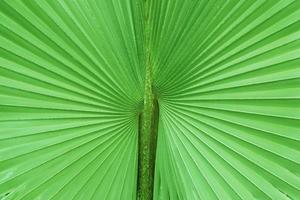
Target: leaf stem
[(148, 123), (147, 150)]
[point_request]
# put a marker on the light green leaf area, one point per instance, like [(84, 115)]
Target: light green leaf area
[(226, 75)]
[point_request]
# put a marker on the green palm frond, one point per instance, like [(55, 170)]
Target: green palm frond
[(223, 75)]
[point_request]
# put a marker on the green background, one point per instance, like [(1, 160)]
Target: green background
[(227, 78)]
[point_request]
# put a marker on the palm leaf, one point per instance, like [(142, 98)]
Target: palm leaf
[(72, 89)]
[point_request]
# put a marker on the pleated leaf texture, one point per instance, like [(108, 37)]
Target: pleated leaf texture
[(226, 74)]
